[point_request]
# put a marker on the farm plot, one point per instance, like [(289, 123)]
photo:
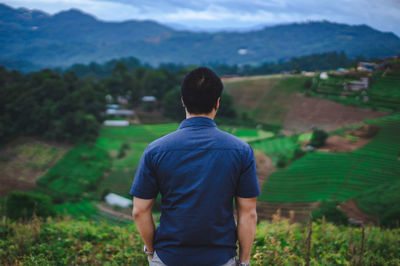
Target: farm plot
[(25, 160), (340, 176)]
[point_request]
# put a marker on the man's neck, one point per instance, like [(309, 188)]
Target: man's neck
[(209, 115)]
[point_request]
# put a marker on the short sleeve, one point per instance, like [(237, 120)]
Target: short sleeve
[(248, 183), (145, 184)]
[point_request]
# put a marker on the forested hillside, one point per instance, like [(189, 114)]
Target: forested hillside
[(67, 107), (43, 40)]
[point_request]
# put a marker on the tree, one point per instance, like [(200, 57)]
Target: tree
[(226, 108), (329, 210), (172, 106), (318, 138), (51, 105)]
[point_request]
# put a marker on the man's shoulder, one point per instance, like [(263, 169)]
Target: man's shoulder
[(160, 143), (230, 140)]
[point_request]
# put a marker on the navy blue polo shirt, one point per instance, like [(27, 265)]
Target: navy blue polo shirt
[(198, 170)]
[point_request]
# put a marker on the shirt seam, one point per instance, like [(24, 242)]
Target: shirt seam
[(196, 149)]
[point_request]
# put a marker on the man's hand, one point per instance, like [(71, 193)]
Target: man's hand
[(141, 213), (246, 226)]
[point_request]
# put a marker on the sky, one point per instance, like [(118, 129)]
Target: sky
[(383, 15)]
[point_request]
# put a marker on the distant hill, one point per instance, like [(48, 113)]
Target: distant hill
[(72, 37)]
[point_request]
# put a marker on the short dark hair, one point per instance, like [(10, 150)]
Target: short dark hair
[(200, 90)]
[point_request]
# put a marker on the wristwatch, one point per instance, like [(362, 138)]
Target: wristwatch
[(148, 253), (239, 263)]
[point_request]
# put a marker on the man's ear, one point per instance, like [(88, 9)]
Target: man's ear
[(218, 103), (183, 103)]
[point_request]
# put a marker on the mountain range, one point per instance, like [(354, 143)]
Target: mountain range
[(35, 38)]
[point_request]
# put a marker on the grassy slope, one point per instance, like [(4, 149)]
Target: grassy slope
[(278, 243), (340, 176), (120, 178), (266, 98)]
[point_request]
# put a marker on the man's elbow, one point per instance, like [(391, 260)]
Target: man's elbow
[(249, 216), (137, 213), (252, 216)]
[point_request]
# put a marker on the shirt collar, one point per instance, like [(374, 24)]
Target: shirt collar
[(197, 121)]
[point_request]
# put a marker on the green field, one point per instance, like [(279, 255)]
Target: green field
[(340, 176), (137, 137), (75, 175)]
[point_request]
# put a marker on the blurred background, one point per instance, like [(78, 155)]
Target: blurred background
[(313, 87)]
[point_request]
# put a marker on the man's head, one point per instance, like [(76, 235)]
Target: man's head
[(201, 91)]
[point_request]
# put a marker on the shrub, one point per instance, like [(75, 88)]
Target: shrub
[(391, 218), (121, 154), (307, 84), (298, 153), (318, 138), (22, 205), (329, 210), (282, 160)]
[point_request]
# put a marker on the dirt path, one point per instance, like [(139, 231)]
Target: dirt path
[(264, 167), (107, 209), (341, 144), (239, 79), (350, 207)]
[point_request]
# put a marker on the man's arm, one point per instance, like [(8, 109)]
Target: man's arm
[(246, 226), (141, 213)]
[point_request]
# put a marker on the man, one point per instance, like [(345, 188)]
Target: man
[(198, 170)]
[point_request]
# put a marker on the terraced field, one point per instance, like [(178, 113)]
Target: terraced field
[(383, 92), (340, 176)]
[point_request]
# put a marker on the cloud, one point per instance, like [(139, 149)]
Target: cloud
[(105, 10), (383, 14)]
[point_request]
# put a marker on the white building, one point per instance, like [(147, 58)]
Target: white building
[(119, 112), (148, 99), (357, 85), (117, 200), (116, 123), (323, 75)]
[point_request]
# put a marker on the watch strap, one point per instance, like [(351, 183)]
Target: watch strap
[(239, 263), (149, 253)]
